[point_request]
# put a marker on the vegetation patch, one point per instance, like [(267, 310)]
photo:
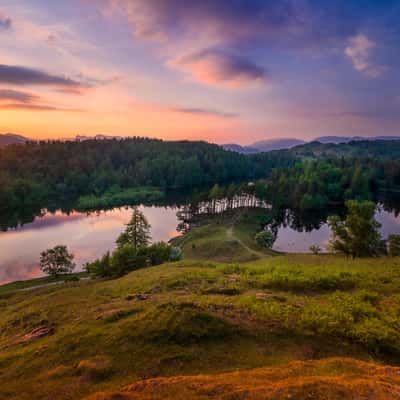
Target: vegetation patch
[(333, 379), (187, 324), (116, 196)]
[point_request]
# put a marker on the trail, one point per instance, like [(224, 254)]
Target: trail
[(232, 236)]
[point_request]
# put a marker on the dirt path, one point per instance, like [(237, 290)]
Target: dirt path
[(231, 236)]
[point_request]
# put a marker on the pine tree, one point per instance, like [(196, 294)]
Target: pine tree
[(137, 232)]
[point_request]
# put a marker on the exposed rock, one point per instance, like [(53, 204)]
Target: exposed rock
[(262, 296), (137, 296), (36, 334)]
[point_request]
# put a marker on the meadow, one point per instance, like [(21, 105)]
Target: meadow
[(79, 338)]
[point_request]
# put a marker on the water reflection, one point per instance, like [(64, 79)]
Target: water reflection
[(295, 238), (87, 236)]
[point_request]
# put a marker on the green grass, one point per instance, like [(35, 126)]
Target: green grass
[(226, 238), (197, 317), (120, 197), (32, 283)]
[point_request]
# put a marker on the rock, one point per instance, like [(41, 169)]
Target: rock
[(36, 334), (137, 296)]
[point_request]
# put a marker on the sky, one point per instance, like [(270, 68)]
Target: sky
[(217, 70)]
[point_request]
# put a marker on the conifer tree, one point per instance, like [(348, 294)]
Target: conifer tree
[(137, 232)]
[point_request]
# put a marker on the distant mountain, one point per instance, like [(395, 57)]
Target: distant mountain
[(264, 145), (240, 149), (373, 148), (277, 144), (11, 138), (347, 139), (289, 143)]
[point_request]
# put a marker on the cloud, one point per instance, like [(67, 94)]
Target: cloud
[(5, 22), (215, 67), (204, 111), (358, 51), (23, 76), (20, 100), (14, 95), (160, 19), (35, 107)]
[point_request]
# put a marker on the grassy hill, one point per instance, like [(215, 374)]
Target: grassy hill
[(228, 237), (73, 340)]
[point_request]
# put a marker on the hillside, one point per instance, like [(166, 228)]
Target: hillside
[(72, 340), (382, 149), (332, 378), (289, 143), (11, 138)]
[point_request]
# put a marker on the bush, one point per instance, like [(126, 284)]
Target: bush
[(394, 245), (126, 259), (265, 239), (315, 249), (156, 254), (175, 254)]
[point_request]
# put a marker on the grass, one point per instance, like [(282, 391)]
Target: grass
[(43, 281), (228, 237), (196, 317)]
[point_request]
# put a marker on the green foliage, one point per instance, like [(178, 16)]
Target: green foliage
[(118, 197), (265, 239), (315, 249), (156, 254), (56, 261), (39, 172), (358, 235), (199, 318), (394, 245), (137, 232), (176, 253), (126, 259)]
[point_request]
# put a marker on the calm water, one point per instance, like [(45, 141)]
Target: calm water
[(90, 236), (87, 236), (294, 241)]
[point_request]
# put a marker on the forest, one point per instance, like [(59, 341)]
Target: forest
[(108, 173), (33, 173)]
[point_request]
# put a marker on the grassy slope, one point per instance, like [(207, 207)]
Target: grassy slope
[(199, 318), (327, 379), (226, 238)]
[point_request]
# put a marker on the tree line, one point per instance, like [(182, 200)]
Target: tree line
[(33, 173)]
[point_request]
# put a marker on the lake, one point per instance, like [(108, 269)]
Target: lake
[(293, 240), (89, 236)]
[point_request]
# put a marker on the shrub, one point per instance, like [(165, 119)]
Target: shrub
[(394, 245), (265, 239), (175, 254), (315, 249), (156, 254), (125, 259)]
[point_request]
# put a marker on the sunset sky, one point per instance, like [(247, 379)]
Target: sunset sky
[(219, 70)]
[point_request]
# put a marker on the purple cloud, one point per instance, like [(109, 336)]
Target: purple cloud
[(19, 100), (228, 19), (21, 76), (216, 67), (5, 22), (15, 95)]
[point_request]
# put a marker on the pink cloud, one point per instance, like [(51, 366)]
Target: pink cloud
[(219, 68)]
